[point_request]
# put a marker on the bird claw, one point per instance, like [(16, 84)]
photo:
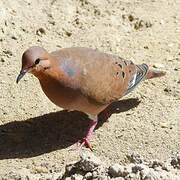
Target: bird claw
[(86, 140), (83, 142)]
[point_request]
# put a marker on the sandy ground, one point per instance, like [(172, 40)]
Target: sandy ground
[(33, 131)]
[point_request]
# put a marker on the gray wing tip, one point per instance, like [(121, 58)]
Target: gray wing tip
[(140, 75)]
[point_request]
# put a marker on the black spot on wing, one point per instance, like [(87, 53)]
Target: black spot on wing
[(123, 74), (120, 65), (131, 63), (125, 63)]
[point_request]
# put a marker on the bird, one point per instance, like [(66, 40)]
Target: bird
[(84, 79)]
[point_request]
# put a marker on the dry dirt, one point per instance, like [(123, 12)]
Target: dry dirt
[(35, 133)]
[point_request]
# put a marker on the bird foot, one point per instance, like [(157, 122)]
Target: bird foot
[(83, 142), (86, 140)]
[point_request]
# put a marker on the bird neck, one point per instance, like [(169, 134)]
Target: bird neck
[(50, 74)]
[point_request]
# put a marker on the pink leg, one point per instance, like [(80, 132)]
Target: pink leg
[(93, 123), (106, 113), (86, 140)]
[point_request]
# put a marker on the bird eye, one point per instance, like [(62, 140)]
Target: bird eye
[(37, 61)]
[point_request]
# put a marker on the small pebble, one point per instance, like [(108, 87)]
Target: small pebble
[(3, 82), (57, 176), (88, 175), (170, 58), (157, 65), (76, 177), (161, 21), (118, 170), (2, 59), (41, 169), (164, 125), (134, 157), (89, 161), (170, 44), (40, 31), (8, 52)]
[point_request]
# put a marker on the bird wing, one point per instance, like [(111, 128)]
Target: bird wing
[(140, 75), (102, 77)]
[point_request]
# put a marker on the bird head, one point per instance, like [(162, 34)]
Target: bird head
[(34, 60)]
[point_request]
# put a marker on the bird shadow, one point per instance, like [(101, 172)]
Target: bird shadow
[(49, 132)]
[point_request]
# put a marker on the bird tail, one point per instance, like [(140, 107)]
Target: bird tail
[(154, 74), (143, 73)]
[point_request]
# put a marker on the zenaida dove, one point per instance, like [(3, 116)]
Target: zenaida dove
[(84, 79)]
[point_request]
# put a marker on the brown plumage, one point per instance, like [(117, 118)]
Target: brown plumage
[(83, 79)]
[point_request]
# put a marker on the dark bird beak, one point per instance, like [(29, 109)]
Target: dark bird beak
[(20, 76)]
